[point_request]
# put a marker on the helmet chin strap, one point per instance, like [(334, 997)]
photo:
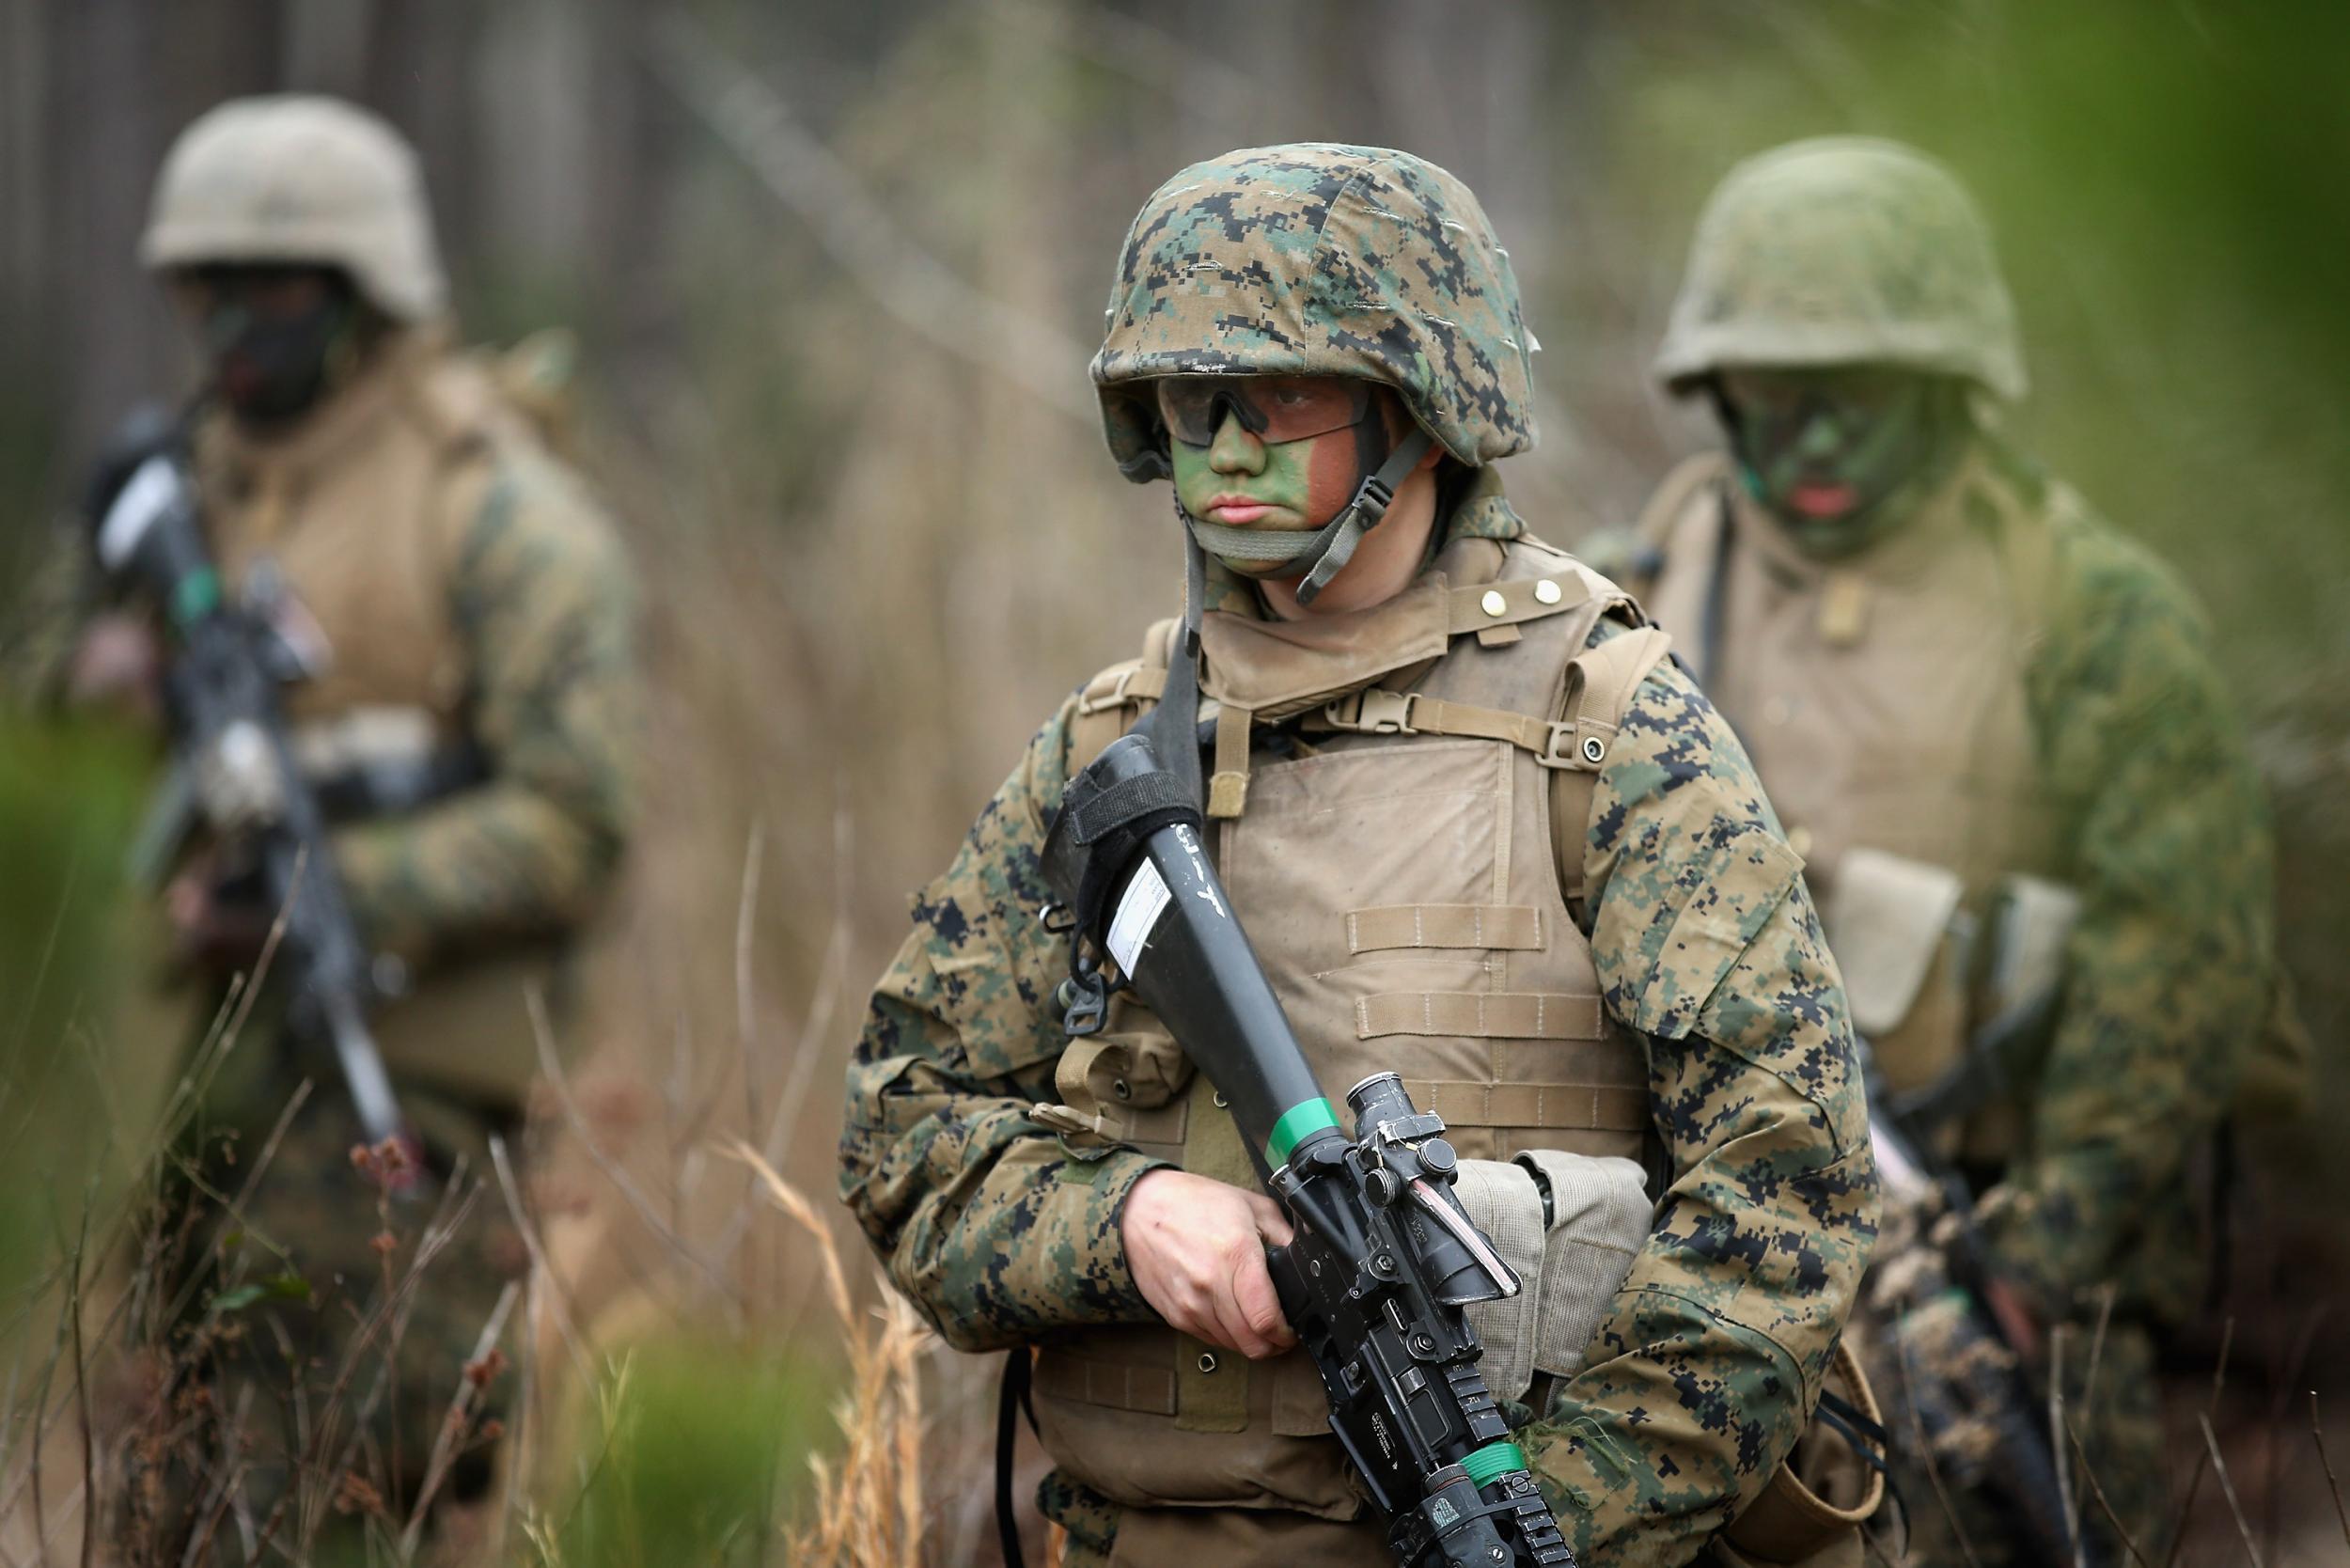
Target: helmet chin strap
[(1329, 547)]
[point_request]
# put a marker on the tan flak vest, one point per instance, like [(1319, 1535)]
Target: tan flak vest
[(1403, 887), (1882, 700), (362, 511)]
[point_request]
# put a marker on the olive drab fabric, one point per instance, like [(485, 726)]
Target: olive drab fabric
[(1843, 250), (1317, 259), (299, 179)]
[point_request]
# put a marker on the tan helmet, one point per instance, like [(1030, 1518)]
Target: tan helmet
[(1843, 250), (300, 179)]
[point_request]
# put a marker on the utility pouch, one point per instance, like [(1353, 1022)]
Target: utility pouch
[(2032, 922), (1570, 1267), (1895, 926), (1810, 1513), (1124, 1085)]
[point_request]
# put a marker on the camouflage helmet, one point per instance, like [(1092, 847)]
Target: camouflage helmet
[(1315, 258), (304, 180), (1843, 250)]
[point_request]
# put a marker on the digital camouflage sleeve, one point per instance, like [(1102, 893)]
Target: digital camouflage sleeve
[(542, 607), (1707, 1367), (2170, 964)]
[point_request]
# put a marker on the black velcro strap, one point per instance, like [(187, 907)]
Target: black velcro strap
[(1114, 825), (1124, 804)]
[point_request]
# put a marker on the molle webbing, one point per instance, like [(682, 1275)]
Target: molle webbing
[(1578, 1107), (1444, 925), (1113, 1385), (1479, 1015)]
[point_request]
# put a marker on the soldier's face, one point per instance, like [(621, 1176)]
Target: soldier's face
[(267, 332), (1827, 446), (1237, 461)]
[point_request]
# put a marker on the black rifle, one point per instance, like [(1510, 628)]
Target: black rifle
[(1385, 1257), (2022, 1467), (228, 738)]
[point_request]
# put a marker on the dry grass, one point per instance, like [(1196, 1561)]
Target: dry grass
[(870, 1508)]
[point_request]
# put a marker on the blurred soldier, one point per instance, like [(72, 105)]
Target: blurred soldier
[(1482, 834), (461, 608), (1993, 728)]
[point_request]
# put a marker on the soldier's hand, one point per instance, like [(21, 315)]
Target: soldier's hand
[(2015, 1318), (212, 932), (117, 664), (1197, 1248)]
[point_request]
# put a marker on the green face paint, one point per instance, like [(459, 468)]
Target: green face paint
[(1838, 455), (1244, 483)]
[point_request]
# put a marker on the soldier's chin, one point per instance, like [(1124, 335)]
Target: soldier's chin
[(1266, 571)]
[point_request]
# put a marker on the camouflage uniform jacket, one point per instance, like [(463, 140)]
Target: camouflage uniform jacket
[(518, 637), (2160, 826), (1703, 1373)]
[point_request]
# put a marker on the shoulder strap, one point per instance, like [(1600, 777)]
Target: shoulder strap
[(1652, 534), (1110, 703), (1600, 684)]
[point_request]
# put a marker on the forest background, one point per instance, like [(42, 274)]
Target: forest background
[(834, 270)]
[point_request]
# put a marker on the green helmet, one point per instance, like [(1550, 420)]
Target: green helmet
[(1843, 250), (303, 180), (1319, 259)]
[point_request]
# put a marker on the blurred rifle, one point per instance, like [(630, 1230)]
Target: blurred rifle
[(1970, 1373), (233, 769), (1385, 1257)]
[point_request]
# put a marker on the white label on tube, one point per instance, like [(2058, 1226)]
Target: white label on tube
[(1138, 909)]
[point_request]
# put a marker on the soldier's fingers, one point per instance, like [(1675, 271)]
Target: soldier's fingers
[(1247, 1307), (1272, 1224), (1260, 1305), (1232, 1330)]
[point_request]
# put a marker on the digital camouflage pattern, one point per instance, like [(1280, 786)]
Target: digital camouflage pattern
[(2171, 968), (1843, 250), (1706, 1369), (1317, 259)]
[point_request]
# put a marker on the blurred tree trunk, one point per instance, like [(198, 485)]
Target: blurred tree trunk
[(100, 161)]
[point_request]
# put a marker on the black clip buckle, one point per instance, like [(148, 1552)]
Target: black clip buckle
[(1084, 1000)]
